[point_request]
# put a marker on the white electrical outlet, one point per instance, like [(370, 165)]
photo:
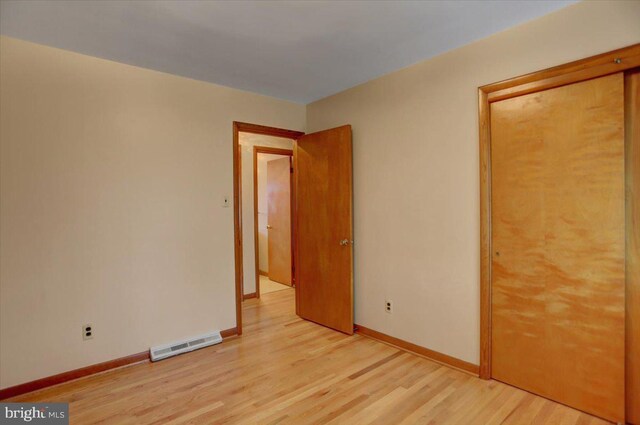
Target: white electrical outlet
[(87, 332), (388, 306)]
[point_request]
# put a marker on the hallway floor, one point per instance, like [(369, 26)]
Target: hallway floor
[(267, 286)]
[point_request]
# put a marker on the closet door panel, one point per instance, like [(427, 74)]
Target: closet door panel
[(558, 266)]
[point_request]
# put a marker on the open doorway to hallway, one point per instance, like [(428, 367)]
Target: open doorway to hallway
[(273, 203), (266, 205), (321, 229)]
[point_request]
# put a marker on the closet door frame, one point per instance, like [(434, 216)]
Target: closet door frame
[(593, 67)]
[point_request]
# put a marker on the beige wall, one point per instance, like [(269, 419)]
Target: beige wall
[(247, 142), (112, 180), (415, 136)]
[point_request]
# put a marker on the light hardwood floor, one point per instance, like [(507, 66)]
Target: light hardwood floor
[(267, 286), (286, 370)]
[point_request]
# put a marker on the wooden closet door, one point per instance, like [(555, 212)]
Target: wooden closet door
[(558, 242), (632, 165)]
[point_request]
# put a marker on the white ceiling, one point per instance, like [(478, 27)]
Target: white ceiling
[(295, 50)]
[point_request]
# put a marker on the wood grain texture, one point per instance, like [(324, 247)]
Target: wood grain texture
[(558, 272), (279, 219), (226, 333), (485, 235), (249, 296), (289, 371), (266, 130), (632, 155), (592, 67), (256, 243), (324, 210), (237, 223), (418, 350), (72, 374), (596, 66), (94, 369)]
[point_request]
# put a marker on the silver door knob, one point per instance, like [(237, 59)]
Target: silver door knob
[(269, 227), (345, 242)]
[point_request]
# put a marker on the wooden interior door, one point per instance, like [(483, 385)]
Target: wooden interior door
[(324, 242), (558, 242), (279, 219)]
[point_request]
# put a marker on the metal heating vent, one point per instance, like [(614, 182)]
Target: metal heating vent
[(168, 350)]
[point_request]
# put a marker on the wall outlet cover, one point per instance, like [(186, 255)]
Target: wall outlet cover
[(87, 332)]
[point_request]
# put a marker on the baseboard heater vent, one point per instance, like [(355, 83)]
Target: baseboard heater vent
[(169, 350)]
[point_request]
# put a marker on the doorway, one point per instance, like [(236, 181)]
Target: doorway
[(273, 195), (320, 220), (257, 154)]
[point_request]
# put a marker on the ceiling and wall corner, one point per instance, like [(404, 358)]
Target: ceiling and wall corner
[(295, 50)]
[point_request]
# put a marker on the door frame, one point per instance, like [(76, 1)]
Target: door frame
[(278, 151), (619, 60), (244, 127)]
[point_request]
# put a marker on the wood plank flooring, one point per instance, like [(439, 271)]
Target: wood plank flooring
[(284, 370)]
